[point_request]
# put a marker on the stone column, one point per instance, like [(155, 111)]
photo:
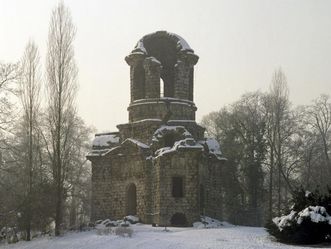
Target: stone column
[(137, 75), (152, 77), (184, 75)]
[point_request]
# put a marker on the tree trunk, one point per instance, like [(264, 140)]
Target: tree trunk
[(271, 181)]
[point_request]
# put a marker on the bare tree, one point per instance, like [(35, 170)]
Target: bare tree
[(9, 73), (319, 121), (78, 176), (29, 89), (61, 86), (241, 128), (279, 131)]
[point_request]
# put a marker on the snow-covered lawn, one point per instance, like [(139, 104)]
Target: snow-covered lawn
[(148, 237)]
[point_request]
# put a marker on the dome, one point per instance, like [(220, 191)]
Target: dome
[(180, 43)]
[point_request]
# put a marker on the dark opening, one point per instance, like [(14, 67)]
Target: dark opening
[(169, 140), (168, 75), (138, 82), (132, 200), (178, 220), (164, 50), (177, 187), (202, 199)]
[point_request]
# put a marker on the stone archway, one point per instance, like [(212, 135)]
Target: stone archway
[(131, 197), (179, 220)]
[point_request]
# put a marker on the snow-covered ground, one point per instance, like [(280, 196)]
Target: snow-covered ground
[(148, 237)]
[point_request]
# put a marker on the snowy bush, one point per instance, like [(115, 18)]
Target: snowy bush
[(124, 231), (10, 234), (207, 222), (102, 230), (132, 219), (308, 221), (105, 227), (119, 227)]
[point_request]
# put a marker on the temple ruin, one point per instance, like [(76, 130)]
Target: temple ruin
[(158, 166)]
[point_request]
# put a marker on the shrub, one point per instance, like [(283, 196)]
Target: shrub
[(123, 231), (308, 221), (103, 230)]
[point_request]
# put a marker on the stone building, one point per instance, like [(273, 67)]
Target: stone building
[(158, 166)]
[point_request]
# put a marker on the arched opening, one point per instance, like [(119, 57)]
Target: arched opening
[(164, 49), (179, 220), (131, 200), (138, 81), (161, 88)]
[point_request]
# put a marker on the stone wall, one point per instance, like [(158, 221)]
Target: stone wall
[(144, 130), (211, 180), (101, 189), (111, 177), (183, 164), (158, 109)]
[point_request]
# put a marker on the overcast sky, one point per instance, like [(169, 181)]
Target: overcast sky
[(240, 44)]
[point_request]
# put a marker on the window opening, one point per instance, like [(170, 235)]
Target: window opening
[(132, 200), (177, 187), (161, 88)]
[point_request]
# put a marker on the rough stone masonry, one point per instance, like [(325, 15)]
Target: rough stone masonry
[(158, 166)]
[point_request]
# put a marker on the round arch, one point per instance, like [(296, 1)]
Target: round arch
[(178, 220)]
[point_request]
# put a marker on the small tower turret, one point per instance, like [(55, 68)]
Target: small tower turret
[(167, 58)]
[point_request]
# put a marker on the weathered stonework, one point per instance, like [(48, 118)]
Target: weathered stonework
[(159, 166)]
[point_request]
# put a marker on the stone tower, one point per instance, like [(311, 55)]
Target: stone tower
[(158, 166)]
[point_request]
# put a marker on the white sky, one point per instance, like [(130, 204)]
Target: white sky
[(240, 44)]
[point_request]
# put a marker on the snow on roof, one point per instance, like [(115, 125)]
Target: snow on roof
[(153, 59), (138, 143), (140, 47), (165, 129), (147, 120), (157, 101), (100, 152), (182, 45), (213, 147), (187, 143), (103, 140)]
